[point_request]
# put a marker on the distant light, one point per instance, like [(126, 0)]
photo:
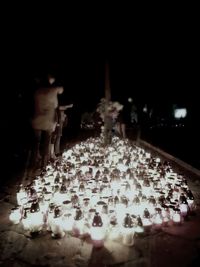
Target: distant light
[(145, 108), (180, 113), (130, 100), (51, 80)]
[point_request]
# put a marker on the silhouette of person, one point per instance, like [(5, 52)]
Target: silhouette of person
[(44, 119), (120, 125), (61, 118)]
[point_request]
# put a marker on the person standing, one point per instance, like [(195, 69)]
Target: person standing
[(44, 119), (56, 135)]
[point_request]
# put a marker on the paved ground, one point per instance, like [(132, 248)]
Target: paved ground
[(169, 246)]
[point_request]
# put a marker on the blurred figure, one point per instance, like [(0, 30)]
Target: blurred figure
[(120, 125), (98, 123), (44, 119), (61, 119)]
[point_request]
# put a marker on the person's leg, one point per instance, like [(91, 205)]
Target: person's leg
[(58, 138), (52, 145), (117, 129), (46, 148), (123, 130), (57, 145)]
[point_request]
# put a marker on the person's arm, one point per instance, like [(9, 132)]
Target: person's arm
[(66, 107)]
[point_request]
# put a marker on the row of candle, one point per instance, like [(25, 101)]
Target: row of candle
[(104, 192)]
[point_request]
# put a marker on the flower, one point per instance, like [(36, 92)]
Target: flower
[(113, 108)]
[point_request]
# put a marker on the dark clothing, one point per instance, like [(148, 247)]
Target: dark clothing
[(61, 119)]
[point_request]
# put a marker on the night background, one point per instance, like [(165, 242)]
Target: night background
[(155, 66), (153, 61)]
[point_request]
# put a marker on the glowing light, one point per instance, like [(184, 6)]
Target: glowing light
[(128, 236), (104, 193), (35, 221), (180, 113), (15, 215), (177, 216)]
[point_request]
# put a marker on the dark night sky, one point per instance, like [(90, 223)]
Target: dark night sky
[(152, 64), (136, 72)]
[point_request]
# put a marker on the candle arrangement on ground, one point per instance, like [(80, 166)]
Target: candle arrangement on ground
[(105, 193)]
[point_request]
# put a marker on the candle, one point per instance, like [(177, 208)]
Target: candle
[(15, 215), (184, 209), (157, 219), (139, 225), (26, 219), (35, 218), (176, 216), (146, 219), (78, 223), (21, 196), (66, 205), (67, 222), (35, 221), (127, 231), (57, 224), (114, 232), (183, 205), (97, 231), (165, 214)]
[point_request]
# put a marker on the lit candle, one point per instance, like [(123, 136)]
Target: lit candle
[(66, 205), (165, 214), (32, 193), (139, 225), (114, 232), (26, 219), (184, 209), (146, 219), (21, 196), (157, 219), (190, 200), (68, 222), (97, 231), (176, 216), (35, 218), (183, 205), (128, 231), (78, 226), (15, 215), (57, 224), (90, 215), (58, 198)]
